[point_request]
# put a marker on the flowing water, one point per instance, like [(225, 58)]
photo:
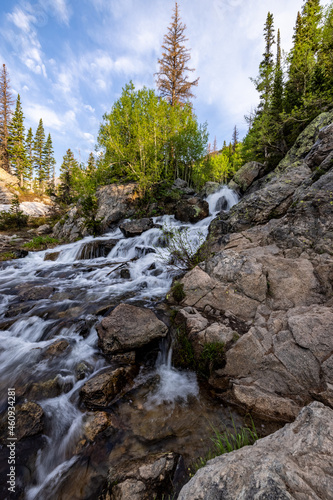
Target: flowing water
[(46, 301)]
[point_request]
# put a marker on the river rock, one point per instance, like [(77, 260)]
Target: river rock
[(294, 462), (44, 229), (153, 476), (136, 227), (29, 292), (192, 210), (209, 188), (100, 390), (129, 327), (29, 420), (96, 248), (56, 349), (97, 423), (51, 256)]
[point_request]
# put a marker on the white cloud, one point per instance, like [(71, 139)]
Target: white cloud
[(21, 19), (34, 112)]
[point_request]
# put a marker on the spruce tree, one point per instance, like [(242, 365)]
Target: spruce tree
[(277, 97), (49, 163), (16, 149), (235, 139), (38, 154), (29, 155), (172, 78), (6, 102), (264, 82), (67, 172)]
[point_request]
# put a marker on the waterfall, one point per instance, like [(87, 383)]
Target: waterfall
[(44, 301)]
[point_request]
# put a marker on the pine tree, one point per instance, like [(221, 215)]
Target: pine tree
[(29, 155), (6, 101), (172, 79), (38, 154), (49, 163), (277, 97), (235, 139), (16, 149), (264, 82), (67, 172), (302, 57)]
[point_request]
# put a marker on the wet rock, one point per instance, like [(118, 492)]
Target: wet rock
[(136, 227), (43, 390), (125, 274), (29, 292), (51, 256), (209, 188), (96, 248), (128, 327), (29, 420), (82, 370), (192, 210), (20, 254), (56, 349), (248, 173), (96, 424), (275, 467), (150, 477), (100, 390)]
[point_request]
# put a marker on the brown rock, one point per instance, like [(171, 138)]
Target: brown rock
[(100, 390), (127, 328), (29, 420), (192, 210)]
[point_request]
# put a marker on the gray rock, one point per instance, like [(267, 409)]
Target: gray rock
[(248, 173), (96, 248), (293, 463), (127, 328), (115, 202), (191, 210), (136, 227)]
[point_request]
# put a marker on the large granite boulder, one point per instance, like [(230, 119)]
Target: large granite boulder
[(192, 210), (295, 462), (115, 202), (248, 173), (128, 328)]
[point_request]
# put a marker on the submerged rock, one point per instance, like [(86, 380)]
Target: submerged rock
[(294, 462), (96, 248), (127, 328)]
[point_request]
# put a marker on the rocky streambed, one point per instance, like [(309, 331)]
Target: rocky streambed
[(86, 330)]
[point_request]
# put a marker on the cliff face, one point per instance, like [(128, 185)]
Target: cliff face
[(271, 278), (272, 272)]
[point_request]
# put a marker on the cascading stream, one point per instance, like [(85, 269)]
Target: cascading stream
[(72, 292)]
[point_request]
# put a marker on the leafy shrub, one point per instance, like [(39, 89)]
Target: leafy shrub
[(7, 256), (41, 243), (212, 357), (89, 207)]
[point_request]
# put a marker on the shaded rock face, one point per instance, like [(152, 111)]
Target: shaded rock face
[(274, 273), (294, 462), (136, 227), (127, 328), (248, 173), (154, 476), (96, 248), (192, 210)]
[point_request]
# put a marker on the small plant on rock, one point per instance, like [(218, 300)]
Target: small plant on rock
[(41, 243)]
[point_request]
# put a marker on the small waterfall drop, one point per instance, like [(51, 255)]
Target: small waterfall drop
[(74, 294)]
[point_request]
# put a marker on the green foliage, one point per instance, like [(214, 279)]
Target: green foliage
[(15, 218), (177, 291), (183, 353), (226, 441), (41, 243), (182, 251), (16, 146), (146, 140), (89, 207), (297, 97), (7, 256), (211, 358)]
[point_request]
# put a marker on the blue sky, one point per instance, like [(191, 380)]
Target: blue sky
[(70, 59)]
